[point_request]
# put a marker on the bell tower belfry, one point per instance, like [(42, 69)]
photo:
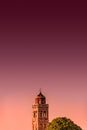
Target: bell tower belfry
[(40, 116)]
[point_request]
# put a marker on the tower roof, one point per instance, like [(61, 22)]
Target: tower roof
[(40, 95), (40, 99)]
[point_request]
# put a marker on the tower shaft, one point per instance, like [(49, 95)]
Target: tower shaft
[(40, 113)]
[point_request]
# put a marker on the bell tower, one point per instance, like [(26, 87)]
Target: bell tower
[(40, 116)]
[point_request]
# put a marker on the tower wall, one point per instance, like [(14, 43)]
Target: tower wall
[(40, 114)]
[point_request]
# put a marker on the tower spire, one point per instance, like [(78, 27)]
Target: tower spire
[(40, 90)]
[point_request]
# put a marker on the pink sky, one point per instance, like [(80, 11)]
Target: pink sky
[(42, 45)]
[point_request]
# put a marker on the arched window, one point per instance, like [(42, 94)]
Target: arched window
[(44, 114), (40, 114), (35, 114)]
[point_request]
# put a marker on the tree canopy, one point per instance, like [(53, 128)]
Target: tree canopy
[(62, 123)]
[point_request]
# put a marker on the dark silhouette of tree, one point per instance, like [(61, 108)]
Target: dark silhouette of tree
[(62, 123)]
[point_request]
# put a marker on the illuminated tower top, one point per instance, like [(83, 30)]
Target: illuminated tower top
[(40, 99)]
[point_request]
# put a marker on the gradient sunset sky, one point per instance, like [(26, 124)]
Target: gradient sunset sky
[(42, 45)]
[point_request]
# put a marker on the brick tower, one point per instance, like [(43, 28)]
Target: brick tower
[(40, 115)]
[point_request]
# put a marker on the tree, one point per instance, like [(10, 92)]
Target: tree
[(62, 123)]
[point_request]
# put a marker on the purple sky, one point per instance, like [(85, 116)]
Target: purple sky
[(42, 45)]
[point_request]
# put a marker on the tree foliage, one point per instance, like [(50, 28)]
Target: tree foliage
[(62, 123)]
